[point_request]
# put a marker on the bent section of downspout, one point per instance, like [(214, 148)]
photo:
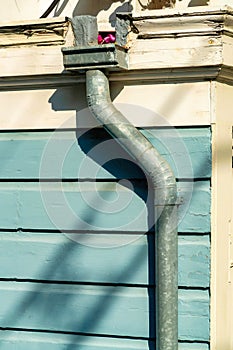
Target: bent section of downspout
[(165, 197)]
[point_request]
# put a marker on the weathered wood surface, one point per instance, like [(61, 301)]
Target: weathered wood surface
[(152, 26), (176, 39), (34, 341), (33, 155), (97, 309), (145, 53), (55, 257), (46, 31), (96, 206), (31, 60), (176, 52)]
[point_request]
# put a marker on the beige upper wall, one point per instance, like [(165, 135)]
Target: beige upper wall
[(16, 10), (66, 107)]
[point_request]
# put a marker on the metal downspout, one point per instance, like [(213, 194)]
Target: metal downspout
[(165, 204)]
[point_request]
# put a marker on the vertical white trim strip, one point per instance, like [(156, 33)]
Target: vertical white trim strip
[(221, 289)]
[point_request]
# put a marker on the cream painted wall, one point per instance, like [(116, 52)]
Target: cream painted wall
[(17, 10), (43, 109)]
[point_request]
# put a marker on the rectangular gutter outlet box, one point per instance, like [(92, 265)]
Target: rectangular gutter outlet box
[(108, 56)]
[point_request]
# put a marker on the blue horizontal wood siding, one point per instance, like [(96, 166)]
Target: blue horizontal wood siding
[(52, 282), (96, 206), (186, 150), (35, 341), (111, 310), (83, 154), (54, 257)]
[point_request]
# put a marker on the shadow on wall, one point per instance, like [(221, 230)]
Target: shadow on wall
[(61, 8), (69, 98), (47, 299), (73, 98), (198, 3), (92, 142), (160, 4), (156, 4), (93, 7)]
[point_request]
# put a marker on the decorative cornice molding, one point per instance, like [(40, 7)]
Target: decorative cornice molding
[(169, 75), (171, 46), (185, 23), (184, 12), (141, 76), (226, 75), (182, 39)]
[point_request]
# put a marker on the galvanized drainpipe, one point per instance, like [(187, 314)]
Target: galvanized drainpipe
[(165, 204)]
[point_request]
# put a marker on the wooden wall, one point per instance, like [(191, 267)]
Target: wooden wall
[(77, 242)]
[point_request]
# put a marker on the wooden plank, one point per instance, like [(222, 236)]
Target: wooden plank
[(193, 261), (69, 154), (181, 26), (176, 52), (193, 346), (66, 107), (227, 50), (54, 257), (34, 341), (89, 309), (42, 32), (221, 224), (188, 151), (97, 206), (97, 309), (194, 211), (193, 309), (29, 155), (31, 60), (160, 53)]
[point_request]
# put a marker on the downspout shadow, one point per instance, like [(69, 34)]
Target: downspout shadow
[(123, 168)]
